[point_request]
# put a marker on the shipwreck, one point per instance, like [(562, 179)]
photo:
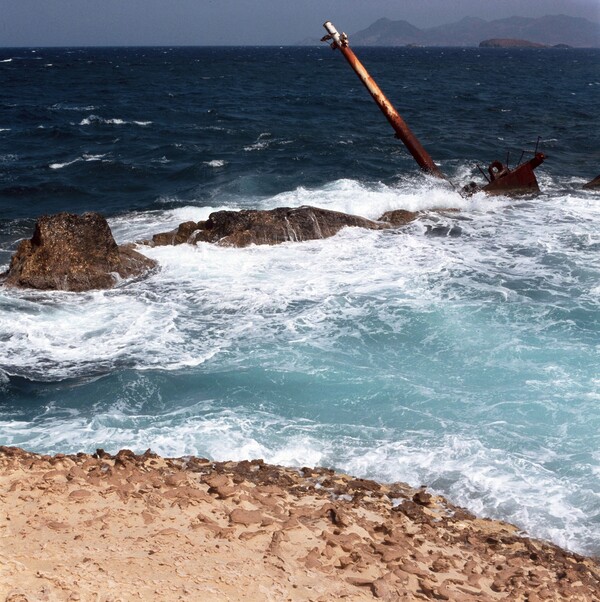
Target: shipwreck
[(501, 179)]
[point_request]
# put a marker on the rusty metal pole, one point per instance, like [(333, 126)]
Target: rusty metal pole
[(422, 157)]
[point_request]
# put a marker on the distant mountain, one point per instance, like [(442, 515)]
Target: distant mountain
[(390, 33), (550, 31)]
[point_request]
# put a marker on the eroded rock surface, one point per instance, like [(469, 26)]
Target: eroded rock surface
[(73, 253), (192, 529), (265, 227)]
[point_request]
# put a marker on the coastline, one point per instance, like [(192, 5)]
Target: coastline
[(131, 527)]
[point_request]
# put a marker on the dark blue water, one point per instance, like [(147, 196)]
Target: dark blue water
[(461, 351)]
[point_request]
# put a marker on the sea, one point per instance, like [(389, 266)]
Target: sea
[(461, 351)]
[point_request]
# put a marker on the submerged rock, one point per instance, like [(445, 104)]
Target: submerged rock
[(399, 217), (73, 253), (595, 183), (265, 227)]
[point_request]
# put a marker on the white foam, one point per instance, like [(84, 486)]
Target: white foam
[(95, 119), (65, 164), (263, 141), (68, 107), (489, 482), (216, 163), (84, 157), (372, 201), (141, 226)]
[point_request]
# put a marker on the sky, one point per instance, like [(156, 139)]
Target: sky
[(240, 22)]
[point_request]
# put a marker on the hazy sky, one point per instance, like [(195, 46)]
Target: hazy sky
[(232, 22)]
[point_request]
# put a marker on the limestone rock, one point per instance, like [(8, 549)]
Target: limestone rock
[(73, 253)]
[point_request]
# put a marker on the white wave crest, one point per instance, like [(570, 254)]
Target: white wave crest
[(263, 141), (95, 119), (84, 157), (216, 163)]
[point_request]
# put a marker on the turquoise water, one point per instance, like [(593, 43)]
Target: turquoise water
[(460, 352)]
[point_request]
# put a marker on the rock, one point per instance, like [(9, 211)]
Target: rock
[(399, 217), (265, 227), (181, 234), (16, 597), (240, 516), (422, 498), (595, 183), (80, 495), (73, 253)]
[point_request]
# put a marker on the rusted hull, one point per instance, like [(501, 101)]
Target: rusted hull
[(520, 180)]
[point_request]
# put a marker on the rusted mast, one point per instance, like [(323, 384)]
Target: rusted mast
[(340, 40)]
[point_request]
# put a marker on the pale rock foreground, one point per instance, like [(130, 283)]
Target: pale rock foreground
[(130, 527)]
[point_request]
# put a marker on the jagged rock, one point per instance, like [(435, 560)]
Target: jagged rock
[(595, 183), (73, 253), (183, 233), (265, 227)]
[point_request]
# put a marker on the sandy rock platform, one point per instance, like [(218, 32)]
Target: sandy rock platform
[(139, 527)]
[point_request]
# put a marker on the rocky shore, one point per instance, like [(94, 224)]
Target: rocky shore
[(142, 527), (78, 253)]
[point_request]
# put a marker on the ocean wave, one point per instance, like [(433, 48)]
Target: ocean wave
[(66, 164), (84, 157), (475, 474), (62, 106), (373, 200), (407, 264), (95, 119), (263, 141)]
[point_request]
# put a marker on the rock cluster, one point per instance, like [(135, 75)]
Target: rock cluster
[(269, 227), (73, 253), (133, 526), (78, 253)]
